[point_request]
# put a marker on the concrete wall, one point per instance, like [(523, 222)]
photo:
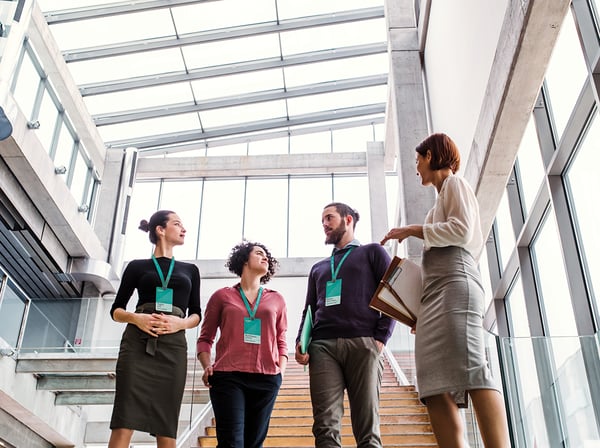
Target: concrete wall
[(461, 42)]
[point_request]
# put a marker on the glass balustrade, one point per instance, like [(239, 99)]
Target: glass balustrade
[(551, 385)]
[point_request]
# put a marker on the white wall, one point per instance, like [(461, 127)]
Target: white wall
[(460, 48)]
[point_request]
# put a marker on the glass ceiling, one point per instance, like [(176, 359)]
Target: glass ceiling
[(180, 76)]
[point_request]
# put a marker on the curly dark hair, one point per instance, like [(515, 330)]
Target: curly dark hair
[(241, 253)]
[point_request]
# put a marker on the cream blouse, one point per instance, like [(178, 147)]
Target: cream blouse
[(454, 219)]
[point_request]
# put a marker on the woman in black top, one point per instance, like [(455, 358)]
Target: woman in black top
[(152, 363)]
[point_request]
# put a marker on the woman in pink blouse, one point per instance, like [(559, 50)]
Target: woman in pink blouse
[(251, 352)]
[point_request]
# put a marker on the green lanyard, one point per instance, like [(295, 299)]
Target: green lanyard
[(251, 312), (164, 281), (335, 272)]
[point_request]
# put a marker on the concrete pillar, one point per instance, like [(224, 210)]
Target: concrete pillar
[(113, 202), (406, 120), (377, 191)]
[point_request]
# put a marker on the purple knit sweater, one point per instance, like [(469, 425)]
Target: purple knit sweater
[(360, 273)]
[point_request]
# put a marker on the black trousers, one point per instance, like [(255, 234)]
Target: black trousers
[(242, 403)]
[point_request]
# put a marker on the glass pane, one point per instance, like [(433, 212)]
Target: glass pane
[(64, 149), (238, 84), (354, 191), (573, 387), (81, 171), (183, 197), (517, 310), (336, 36), (240, 149), (531, 165), (505, 233), (127, 66), (525, 396), (566, 74), (47, 118), (94, 32), (266, 214), (552, 281), (144, 202), (11, 314), (310, 143), (138, 98), (221, 217), (353, 139), (293, 8), (231, 51), (271, 146), (28, 81), (307, 199), (51, 324), (582, 180)]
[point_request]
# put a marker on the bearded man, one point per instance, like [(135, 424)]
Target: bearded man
[(348, 337)]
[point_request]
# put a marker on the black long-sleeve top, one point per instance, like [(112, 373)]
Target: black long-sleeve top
[(142, 275)]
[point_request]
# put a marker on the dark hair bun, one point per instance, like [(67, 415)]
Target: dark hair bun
[(144, 225)]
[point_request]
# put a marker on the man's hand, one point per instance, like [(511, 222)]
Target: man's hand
[(301, 358)]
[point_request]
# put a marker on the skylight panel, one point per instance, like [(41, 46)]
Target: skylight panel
[(127, 66), (139, 98), (231, 51), (294, 8), (150, 127), (113, 29), (238, 84), (298, 75), (222, 14), (243, 114), (336, 100), (333, 36)]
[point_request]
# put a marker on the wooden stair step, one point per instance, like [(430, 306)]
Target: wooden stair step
[(404, 421), (309, 441), (390, 410), (383, 403), (388, 428)]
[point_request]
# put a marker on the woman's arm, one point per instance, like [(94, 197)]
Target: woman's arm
[(401, 233)]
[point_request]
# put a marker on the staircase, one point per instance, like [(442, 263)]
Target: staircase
[(404, 420)]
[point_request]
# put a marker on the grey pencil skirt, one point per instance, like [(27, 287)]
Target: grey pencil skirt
[(149, 387), (449, 340)]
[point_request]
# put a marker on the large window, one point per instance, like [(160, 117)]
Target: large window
[(566, 74), (37, 98), (582, 184)]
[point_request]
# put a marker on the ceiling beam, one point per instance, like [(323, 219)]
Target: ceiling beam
[(237, 100), (332, 54), (225, 166), (172, 138), (95, 12), (259, 136), (236, 32)]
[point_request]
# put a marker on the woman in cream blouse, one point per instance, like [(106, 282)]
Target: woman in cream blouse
[(449, 342)]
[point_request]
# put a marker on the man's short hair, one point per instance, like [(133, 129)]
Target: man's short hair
[(345, 210)]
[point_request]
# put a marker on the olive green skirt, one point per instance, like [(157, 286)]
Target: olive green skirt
[(149, 387)]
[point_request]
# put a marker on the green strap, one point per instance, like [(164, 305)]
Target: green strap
[(335, 272), (251, 312), (164, 281)]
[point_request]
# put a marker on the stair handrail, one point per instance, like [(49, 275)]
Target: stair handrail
[(200, 421), (398, 372)]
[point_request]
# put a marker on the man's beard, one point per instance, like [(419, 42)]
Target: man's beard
[(337, 234)]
